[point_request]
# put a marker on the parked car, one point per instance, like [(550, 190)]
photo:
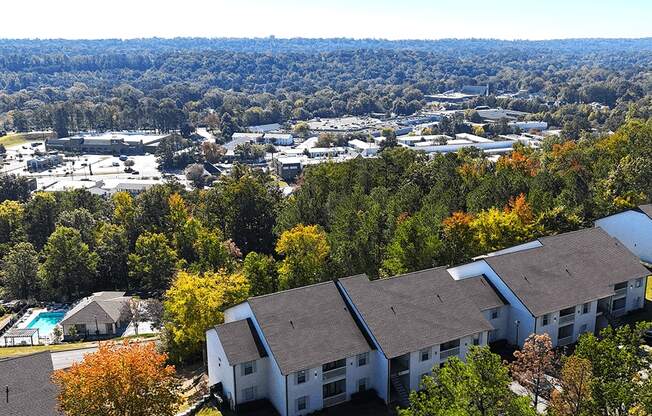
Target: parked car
[(115, 164), (135, 172), (123, 157)]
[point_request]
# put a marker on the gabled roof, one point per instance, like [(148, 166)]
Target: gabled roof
[(482, 292), (414, 311), (567, 270), (240, 341), (105, 306), (646, 209), (307, 326), (31, 391)]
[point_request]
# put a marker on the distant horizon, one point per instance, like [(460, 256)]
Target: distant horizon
[(269, 37), (313, 19)]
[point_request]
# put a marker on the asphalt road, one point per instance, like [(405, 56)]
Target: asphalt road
[(65, 359)]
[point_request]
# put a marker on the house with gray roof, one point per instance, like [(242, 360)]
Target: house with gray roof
[(103, 314), (27, 387)]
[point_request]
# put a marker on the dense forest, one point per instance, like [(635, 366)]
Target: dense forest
[(163, 84)]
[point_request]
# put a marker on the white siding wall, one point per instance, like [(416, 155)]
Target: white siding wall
[(500, 323), (219, 369), (258, 379), (518, 311), (633, 229), (552, 329), (275, 380), (636, 295)]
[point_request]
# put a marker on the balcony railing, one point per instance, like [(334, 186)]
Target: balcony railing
[(333, 400), (335, 373), (566, 319), (449, 353), (565, 341), (620, 292)]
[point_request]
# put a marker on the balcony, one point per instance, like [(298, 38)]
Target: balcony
[(565, 341), (333, 374), (620, 292), (567, 319), (449, 353), (333, 400)]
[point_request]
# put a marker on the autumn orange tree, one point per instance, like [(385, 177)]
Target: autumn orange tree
[(533, 361), (126, 379)]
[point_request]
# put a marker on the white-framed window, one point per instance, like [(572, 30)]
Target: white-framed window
[(476, 339), (248, 368), (363, 359), (249, 394), (545, 320), (494, 313), (586, 308), (302, 403), (301, 376), (362, 384), (424, 355)]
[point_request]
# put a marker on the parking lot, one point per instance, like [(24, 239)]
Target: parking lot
[(94, 167)]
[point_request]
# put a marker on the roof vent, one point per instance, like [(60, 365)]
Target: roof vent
[(569, 273), (525, 278), (392, 308), (440, 299), (292, 323)]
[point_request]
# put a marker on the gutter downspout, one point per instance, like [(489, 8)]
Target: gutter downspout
[(287, 404), (235, 392)]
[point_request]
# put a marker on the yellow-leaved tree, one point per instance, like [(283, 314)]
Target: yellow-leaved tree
[(305, 250), (196, 302)]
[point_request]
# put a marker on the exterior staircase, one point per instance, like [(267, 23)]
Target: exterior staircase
[(403, 394)]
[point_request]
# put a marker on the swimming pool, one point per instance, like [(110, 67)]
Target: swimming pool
[(45, 322)]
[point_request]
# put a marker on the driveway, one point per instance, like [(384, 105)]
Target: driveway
[(65, 359)]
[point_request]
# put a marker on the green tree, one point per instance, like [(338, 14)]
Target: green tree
[(573, 398), (415, 245), (195, 303), (81, 220), (617, 359), (12, 231), (305, 250), (20, 272), (112, 248), (152, 263), (261, 272), (69, 266), (40, 216), (479, 387)]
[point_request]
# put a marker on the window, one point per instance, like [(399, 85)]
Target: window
[(362, 384), (449, 345), (248, 368), (109, 328), (81, 329), (333, 365), (494, 313), (639, 282), (586, 308), (424, 354), (565, 332), (545, 320), (363, 359), (619, 304), (301, 376), (249, 394), (583, 329), (302, 403), (476, 339)]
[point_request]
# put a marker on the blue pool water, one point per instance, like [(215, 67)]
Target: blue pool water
[(46, 321)]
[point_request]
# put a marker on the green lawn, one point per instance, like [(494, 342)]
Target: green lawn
[(7, 352)]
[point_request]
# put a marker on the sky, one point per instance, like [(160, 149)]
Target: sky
[(398, 19)]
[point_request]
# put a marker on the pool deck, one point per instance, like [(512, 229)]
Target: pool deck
[(24, 322)]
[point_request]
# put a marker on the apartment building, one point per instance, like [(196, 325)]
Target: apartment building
[(562, 285), (317, 346), (633, 228)]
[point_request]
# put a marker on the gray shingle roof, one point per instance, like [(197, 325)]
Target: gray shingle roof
[(107, 307), (308, 326), (646, 209), (240, 341), (482, 293), (31, 391), (414, 311), (569, 269)]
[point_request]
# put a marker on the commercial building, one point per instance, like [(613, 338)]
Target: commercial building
[(48, 161), (114, 143), (288, 168)]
